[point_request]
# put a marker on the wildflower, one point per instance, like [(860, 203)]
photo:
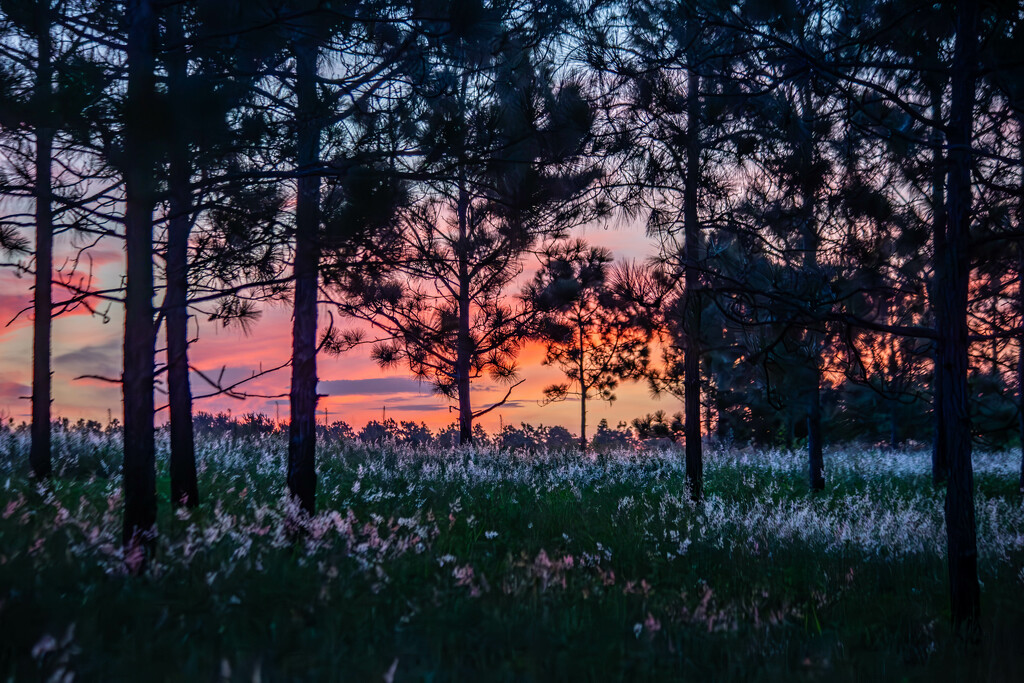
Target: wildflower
[(638, 628), (464, 577), (12, 506), (490, 535), (389, 675), (44, 646)]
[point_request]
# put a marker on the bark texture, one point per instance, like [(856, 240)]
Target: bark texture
[(464, 350), (184, 482), (39, 451), (692, 302), (940, 456), (1020, 302), (139, 330), (815, 453), (810, 242), (584, 390), (961, 531), (303, 398)]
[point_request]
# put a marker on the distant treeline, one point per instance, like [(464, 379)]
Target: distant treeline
[(656, 430)]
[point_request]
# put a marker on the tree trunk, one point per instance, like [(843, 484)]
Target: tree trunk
[(815, 457), (303, 398), (39, 452), (584, 389), (893, 370), (1020, 346), (708, 394), (994, 360), (961, 532), (139, 330), (464, 343), (810, 242), (463, 369), (691, 283), (184, 484), (894, 425), (940, 456), (1020, 302)]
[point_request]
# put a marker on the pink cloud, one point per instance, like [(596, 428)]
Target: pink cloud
[(10, 306), (14, 391)]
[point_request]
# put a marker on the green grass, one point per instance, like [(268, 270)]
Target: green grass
[(598, 571)]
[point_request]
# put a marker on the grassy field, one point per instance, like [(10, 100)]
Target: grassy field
[(481, 565)]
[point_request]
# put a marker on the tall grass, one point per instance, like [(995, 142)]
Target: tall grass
[(486, 565)]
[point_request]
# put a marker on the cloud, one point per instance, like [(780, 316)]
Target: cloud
[(512, 404), (13, 391), (92, 360), (417, 407), (435, 406), (12, 305), (102, 257), (16, 304), (374, 386)]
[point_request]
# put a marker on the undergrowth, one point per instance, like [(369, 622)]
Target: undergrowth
[(472, 565)]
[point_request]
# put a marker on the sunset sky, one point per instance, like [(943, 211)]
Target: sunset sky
[(357, 389)]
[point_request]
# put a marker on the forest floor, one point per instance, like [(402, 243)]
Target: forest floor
[(485, 566)]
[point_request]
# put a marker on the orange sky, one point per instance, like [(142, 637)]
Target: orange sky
[(357, 390)]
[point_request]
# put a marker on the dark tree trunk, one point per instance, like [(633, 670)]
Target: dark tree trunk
[(940, 457), (893, 370), (1020, 348), (815, 456), (39, 452), (584, 389), (464, 344), (994, 360), (184, 484), (1020, 303), (583, 422), (463, 371), (139, 330), (710, 399), (894, 425), (303, 398), (810, 239), (691, 284), (961, 532)]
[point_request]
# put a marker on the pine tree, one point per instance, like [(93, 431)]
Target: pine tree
[(593, 335), (498, 152)]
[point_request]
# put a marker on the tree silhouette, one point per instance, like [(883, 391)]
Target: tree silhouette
[(676, 63), (138, 165), (497, 156), (36, 22), (593, 336)]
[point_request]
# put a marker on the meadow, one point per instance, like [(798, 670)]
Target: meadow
[(428, 564)]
